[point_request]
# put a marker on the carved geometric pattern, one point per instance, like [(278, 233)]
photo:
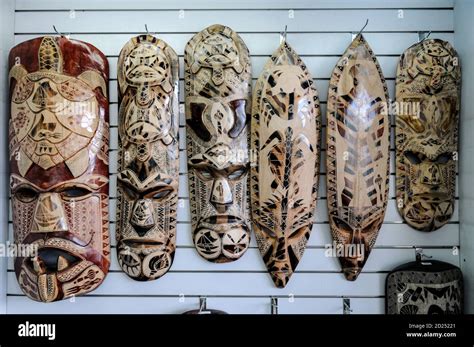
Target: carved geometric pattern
[(59, 166), (358, 154), (435, 288), (148, 165), (428, 89), (217, 102), (286, 142)]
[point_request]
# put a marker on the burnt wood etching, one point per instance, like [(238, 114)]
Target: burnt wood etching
[(358, 128), (428, 89), (218, 94), (428, 287), (59, 135), (285, 137), (148, 166)]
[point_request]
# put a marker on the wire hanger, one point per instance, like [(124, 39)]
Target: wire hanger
[(59, 33), (422, 37), (148, 32), (283, 36), (361, 30)]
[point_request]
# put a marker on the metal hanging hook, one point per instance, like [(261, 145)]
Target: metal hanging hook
[(361, 30), (283, 35), (148, 32), (274, 305), (346, 305), (202, 304), (422, 37), (59, 33), (420, 255)]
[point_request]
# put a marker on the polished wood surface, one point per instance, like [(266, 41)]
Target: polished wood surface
[(285, 140), (59, 137), (358, 155), (217, 81), (428, 90), (148, 159)]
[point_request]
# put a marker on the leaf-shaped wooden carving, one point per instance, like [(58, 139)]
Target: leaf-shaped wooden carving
[(285, 139), (358, 128)]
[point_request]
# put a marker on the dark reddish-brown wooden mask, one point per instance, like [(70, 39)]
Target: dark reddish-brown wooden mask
[(59, 166)]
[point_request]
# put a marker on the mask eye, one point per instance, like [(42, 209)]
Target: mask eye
[(74, 192), (413, 157), (268, 231), (340, 224), (205, 173), (299, 233), (443, 158), (129, 192), (159, 195), (26, 194), (236, 174)]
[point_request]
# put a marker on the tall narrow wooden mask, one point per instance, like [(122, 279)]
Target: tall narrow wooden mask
[(358, 155), (148, 157), (284, 179), (428, 91), (218, 88), (59, 136)]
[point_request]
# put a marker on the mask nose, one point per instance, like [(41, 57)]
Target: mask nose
[(221, 196), (142, 216), (49, 214), (357, 237), (431, 175)]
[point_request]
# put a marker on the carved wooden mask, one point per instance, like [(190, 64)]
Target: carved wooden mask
[(428, 287), (358, 155), (428, 89), (284, 180), (59, 137), (217, 86), (148, 157)]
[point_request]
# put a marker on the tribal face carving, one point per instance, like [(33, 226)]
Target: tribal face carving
[(285, 135), (148, 157), (357, 154), (217, 86), (59, 166), (428, 92)]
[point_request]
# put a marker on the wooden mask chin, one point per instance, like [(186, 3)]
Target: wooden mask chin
[(428, 92), (59, 137), (148, 157), (217, 87)]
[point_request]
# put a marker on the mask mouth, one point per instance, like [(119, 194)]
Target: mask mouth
[(222, 219), (52, 260), (434, 196), (142, 243)]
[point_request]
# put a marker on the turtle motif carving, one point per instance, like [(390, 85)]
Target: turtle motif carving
[(59, 166), (148, 157), (218, 94), (428, 89)]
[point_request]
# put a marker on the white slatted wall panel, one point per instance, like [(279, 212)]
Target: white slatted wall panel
[(320, 31)]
